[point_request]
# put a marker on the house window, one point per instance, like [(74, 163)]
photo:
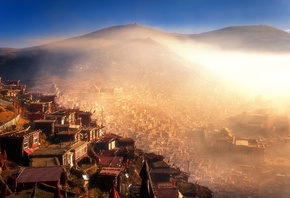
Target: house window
[(77, 154), (112, 145), (35, 140), (64, 161), (25, 144)]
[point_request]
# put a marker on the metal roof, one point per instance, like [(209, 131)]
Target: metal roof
[(40, 174), (110, 172)]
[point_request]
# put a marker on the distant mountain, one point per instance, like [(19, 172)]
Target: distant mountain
[(254, 38), (7, 50), (131, 53), (7, 54), (127, 53)]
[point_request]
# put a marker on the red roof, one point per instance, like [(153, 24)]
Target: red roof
[(40, 174), (110, 172), (110, 161), (109, 137), (105, 160), (28, 151)]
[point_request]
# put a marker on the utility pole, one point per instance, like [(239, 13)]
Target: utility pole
[(102, 116)]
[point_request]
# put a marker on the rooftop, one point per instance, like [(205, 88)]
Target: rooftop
[(44, 121), (108, 171), (57, 149), (111, 161), (43, 161), (40, 174), (19, 133)]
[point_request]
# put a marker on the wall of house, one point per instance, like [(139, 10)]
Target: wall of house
[(112, 145), (80, 153), (47, 128), (25, 186), (86, 119), (68, 159), (35, 140), (36, 107)]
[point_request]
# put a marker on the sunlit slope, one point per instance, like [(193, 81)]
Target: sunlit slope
[(247, 38), (252, 59), (119, 54)]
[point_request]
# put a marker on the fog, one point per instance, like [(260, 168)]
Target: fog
[(249, 72), (175, 96), (232, 87), (265, 74)]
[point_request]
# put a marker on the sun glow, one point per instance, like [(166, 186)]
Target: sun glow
[(268, 75), (253, 73)]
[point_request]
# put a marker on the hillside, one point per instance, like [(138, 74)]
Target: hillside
[(7, 50), (147, 59), (6, 114), (103, 49), (253, 38), (117, 54)]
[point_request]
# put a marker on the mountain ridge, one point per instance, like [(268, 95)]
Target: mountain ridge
[(103, 49), (253, 38), (263, 32), (82, 56)]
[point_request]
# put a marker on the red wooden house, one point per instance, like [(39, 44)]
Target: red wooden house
[(19, 144), (91, 134)]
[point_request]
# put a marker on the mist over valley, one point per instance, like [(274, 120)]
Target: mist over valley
[(196, 99)]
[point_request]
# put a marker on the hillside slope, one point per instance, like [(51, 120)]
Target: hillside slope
[(6, 114), (253, 38)]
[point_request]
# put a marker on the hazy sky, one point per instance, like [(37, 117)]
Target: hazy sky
[(33, 22)]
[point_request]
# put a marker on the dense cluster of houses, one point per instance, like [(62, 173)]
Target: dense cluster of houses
[(237, 148), (176, 133), (65, 153)]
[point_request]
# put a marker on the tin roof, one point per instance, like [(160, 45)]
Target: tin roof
[(110, 172), (110, 161), (19, 133), (58, 149), (44, 121), (40, 174)]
